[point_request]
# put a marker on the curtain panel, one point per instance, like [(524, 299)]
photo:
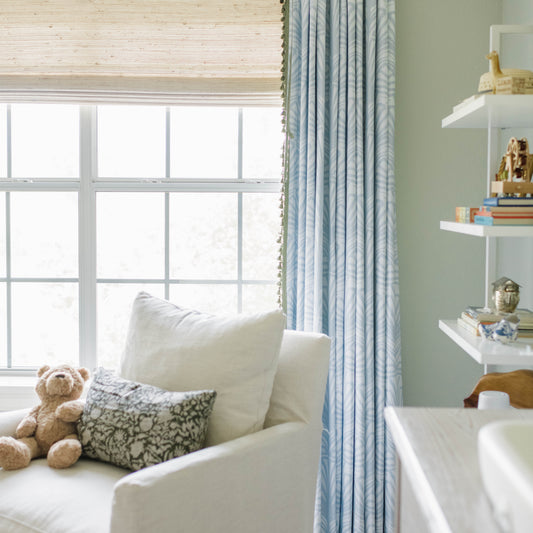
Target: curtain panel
[(339, 249)]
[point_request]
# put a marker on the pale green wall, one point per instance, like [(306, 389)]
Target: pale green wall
[(518, 12), (440, 56)]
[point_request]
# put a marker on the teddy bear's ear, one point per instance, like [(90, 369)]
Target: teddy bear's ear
[(42, 370), (84, 373)]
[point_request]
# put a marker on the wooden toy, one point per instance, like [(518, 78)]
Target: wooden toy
[(505, 81), (516, 169)]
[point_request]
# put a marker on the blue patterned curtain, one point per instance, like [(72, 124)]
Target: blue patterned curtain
[(340, 256)]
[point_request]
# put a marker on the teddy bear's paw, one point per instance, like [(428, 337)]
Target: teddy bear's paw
[(26, 428), (64, 453), (70, 411), (13, 454)]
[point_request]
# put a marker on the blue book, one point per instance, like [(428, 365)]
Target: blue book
[(492, 221), (508, 200)]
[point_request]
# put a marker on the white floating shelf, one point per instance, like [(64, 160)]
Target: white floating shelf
[(479, 230), (487, 352), (493, 111)]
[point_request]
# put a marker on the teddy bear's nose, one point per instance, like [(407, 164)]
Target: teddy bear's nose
[(60, 375)]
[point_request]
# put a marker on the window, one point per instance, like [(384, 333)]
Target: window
[(98, 203)]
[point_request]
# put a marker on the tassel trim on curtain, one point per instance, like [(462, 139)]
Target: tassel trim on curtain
[(282, 277)]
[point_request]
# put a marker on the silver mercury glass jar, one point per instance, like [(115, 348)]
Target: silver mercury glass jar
[(505, 295)]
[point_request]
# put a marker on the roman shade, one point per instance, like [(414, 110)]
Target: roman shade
[(162, 51)]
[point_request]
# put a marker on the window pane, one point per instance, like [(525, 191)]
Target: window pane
[(261, 230), (258, 298), (215, 299), (45, 323), (3, 326), (262, 143), (44, 241), (45, 141), (3, 141), (203, 236), (131, 235), (2, 234), (131, 142), (203, 142), (114, 308)]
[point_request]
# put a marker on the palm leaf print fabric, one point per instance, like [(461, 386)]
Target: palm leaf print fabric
[(340, 251)]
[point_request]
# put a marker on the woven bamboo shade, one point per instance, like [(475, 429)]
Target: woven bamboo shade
[(140, 50)]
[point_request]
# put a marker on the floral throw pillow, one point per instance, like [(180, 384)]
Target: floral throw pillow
[(133, 425)]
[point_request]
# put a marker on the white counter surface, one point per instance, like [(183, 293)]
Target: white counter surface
[(437, 449)]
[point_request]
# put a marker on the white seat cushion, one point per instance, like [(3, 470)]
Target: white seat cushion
[(42, 499), (181, 350)]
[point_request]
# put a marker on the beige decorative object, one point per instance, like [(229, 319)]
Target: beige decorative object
[(517, 163), (516, 188), (505, 295), (505, 81)]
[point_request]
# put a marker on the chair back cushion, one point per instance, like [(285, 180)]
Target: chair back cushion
[(300, 382), (182, 350)]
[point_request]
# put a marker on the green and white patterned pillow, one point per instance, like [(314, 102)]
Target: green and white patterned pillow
[(133, 425)]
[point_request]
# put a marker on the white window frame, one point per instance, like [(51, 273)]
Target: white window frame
[(87, 186)]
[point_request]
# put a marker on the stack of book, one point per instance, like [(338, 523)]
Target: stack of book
[(472, 316), (505, 210)]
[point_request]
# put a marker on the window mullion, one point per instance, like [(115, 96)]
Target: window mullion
[(167, 204), (193, 185), (9, 314), (239, 216), (87, 236)]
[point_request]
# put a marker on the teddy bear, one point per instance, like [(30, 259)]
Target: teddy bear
[(49, 429)]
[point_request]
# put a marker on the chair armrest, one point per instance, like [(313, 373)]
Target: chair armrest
[(263, 482), (9, 420)]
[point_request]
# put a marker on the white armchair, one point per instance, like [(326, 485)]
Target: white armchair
[(262, 482)]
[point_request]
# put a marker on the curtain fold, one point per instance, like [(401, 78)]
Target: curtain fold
[(340, 253)]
